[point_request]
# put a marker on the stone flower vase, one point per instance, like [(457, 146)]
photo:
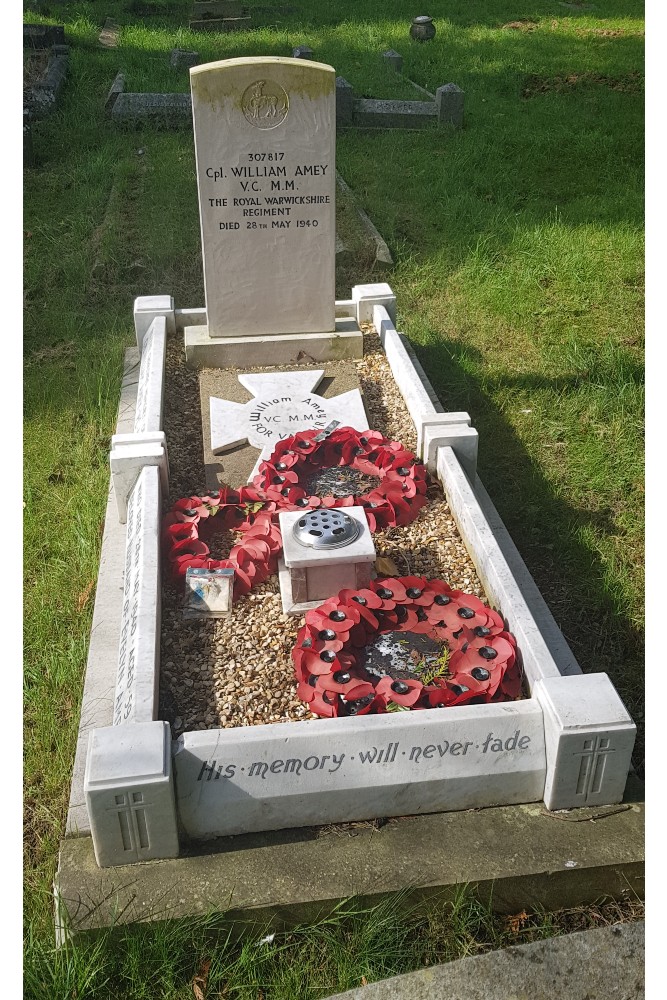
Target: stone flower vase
[(422, 28)]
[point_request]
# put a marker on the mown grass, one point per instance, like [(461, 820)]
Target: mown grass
[(204, 957), (519, 279)]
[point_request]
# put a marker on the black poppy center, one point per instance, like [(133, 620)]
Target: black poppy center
[(403, 656), (341, 481)]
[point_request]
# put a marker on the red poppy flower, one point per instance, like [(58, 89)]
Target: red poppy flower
[(481, 667), (403, 692)]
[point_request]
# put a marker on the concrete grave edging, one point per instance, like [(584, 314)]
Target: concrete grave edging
[(504, 591)]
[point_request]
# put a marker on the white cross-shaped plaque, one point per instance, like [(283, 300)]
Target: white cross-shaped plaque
[(283, 404)]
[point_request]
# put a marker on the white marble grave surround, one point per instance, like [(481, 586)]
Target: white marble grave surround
[(137, 677), (589, 739), (149, 307), (337, 770), (147, 444), (130, 794), (265, 139), (150, 391), (130, 453), (102, 663), (550, 665), (283, 403)]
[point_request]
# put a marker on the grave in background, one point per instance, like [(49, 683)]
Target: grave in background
[(568, 742)]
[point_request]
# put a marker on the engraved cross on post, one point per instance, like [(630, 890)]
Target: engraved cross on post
[(594, 757), (131, 811)]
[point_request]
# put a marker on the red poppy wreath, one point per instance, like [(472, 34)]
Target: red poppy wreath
[(394, 481), (254, 558), (403, 643)]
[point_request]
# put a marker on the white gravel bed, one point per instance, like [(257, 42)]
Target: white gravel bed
[(237, 671)]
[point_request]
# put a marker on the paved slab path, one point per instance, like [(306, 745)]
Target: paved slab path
[(602, 964)]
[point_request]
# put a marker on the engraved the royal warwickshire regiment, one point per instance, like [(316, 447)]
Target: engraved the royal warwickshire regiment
[(265, 104)]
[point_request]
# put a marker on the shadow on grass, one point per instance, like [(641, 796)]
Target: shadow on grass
[(546, 529)]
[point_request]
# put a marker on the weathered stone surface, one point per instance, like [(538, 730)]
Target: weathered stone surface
[(116, 89), (515, 856), (393, 59), (344, 101), (394, 114), (606, 963), (43, 36), (449, 102), (182, 59), (165, 110)]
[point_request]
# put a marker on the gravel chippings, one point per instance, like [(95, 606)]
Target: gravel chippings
[(237, 671)]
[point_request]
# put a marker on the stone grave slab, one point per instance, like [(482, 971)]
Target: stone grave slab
[(265, 132), (234, 467)]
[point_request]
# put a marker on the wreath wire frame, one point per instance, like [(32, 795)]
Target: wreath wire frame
[(482, 665), (396, 500)]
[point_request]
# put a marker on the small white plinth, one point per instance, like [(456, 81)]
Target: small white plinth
[(130, 794), (589, 739), (309, 576), (202, 351)]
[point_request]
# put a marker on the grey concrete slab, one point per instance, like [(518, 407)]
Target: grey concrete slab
[(602, 964), (515, 856), (100, 683)]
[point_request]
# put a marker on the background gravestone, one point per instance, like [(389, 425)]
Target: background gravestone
[(265, 134)]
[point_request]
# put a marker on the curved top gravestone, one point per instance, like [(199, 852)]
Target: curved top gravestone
[(265, 131)]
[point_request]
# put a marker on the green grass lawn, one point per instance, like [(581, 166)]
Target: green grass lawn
[(518, 244)]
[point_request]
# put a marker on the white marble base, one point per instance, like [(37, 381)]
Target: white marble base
[(463, 440), (130, 794), (231, 781), (439, 420), (137, 677), (202, 351), (147, 308), (589, 740), (366, 297), (130, 453)]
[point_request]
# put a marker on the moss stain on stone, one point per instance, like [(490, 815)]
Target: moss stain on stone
[(213, 83)]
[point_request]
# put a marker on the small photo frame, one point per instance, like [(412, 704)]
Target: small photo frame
[(208, 593)]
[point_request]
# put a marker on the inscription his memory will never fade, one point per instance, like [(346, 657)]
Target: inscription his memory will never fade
[(330, 770), (265, 146)]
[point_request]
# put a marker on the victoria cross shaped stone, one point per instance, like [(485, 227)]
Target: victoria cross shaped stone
[(283, 404)]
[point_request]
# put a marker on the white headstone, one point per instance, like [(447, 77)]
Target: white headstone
[(283, 404), (265, 131)]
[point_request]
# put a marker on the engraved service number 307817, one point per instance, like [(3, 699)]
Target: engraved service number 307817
[(257, 157)]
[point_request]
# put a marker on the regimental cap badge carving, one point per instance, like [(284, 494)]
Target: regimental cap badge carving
[(265, 104)]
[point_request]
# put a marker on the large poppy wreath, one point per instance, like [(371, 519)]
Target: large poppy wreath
[(395, 499), (254, 558), (453, 650)]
